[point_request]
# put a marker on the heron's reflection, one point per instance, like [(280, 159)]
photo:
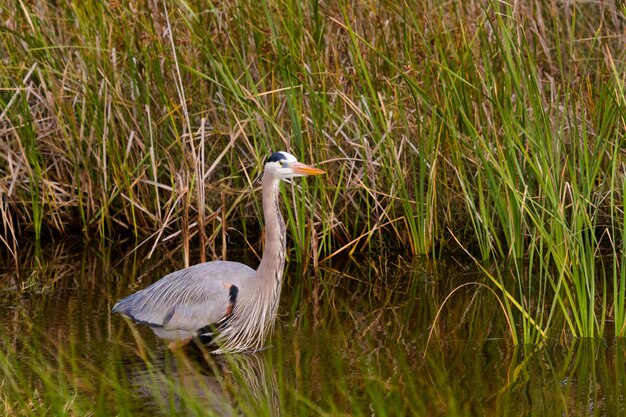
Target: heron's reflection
[(193, 378)]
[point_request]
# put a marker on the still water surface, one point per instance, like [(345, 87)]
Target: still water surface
[(350, 340)]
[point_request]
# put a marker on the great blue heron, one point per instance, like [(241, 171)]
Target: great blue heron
[(223, 303)]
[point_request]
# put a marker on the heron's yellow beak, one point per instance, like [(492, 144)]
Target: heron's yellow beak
[(304, 169)]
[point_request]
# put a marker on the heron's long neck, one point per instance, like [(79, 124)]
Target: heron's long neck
[(273, 259), (255, 312)]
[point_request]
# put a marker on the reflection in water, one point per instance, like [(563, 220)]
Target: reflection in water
[(350, 341), (220, 383)]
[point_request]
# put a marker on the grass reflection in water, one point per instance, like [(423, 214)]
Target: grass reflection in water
[(350, 341)]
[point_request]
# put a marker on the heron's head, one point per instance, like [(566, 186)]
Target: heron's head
[(283, 165)]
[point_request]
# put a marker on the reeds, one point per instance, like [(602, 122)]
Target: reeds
[(489, 126)]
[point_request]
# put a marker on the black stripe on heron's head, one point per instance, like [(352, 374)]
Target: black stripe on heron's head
[(276, 156)]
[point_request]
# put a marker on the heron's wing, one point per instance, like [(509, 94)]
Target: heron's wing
[(188, 299)]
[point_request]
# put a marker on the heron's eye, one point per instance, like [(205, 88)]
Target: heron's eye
[(282, 163)]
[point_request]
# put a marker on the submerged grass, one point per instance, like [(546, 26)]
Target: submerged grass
[(491, 126)]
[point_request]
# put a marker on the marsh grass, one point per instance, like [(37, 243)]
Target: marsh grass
[(489, 126)]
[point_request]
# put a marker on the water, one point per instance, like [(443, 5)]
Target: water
[(353, 340)]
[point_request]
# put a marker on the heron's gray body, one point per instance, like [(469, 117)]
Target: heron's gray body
[(230, 302), (176, 314)]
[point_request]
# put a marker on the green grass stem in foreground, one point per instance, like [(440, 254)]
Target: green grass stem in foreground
[(493, 127)]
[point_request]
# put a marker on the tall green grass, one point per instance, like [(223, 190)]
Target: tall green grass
[(491, 127)]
